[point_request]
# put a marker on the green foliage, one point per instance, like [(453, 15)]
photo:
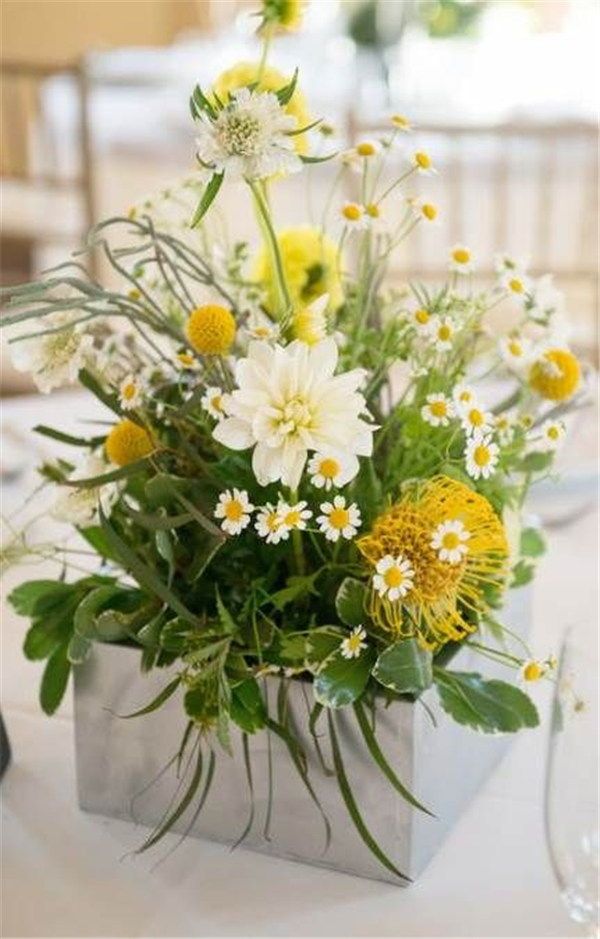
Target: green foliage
[(522, 573), (350, 602), (489, 706), (404, 667), (532, 544), (341, 681)]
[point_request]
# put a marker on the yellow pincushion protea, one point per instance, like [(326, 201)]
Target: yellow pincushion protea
[(436, 607), (311, 268), (246, 73), (556, 375), (127, 442), (210, 329)]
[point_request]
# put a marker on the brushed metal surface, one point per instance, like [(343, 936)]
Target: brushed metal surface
[(444, 766)]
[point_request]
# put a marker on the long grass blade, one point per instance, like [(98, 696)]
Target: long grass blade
[(248, 767)]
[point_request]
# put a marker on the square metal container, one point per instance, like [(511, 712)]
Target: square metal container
[(442, 765)]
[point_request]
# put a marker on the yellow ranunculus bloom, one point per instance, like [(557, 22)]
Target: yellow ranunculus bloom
[(245, 73)]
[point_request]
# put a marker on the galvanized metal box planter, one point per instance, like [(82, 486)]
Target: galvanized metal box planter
[(443, 766)]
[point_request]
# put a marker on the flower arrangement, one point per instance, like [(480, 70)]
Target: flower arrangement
[(307, 474)]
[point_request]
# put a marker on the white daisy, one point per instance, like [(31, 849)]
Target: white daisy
[(422, 162), (55, 357), (213, 402), (339, 519), (550, 436), (353, 217), (476, 421), (515, 283), (235, 509), (261, 327), (423, 321), (188, 361), (438, 410), (332, 469), (464, 397), (80, 506), (249, 137), (294, 516), (375, 218), (270, 525), (423, 209), (401, 122), (131, 393), (461, 259), (442, 333), (394, 577), (450, 541), (481, 457), (352, 645), (289, 402), (515, 351)]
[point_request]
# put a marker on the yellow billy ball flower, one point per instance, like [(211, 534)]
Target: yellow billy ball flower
[(211, 330), (436, 607), (127, 442), (556, 375), (246, 73), (311, 269)]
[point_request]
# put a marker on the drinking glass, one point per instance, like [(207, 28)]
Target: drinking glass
[(572, 779)]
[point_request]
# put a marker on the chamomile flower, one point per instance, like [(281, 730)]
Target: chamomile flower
[(352, 645), (442, 334), (367, 148), (393, 577), (438, 410), (331, 468), (423, 209), (515, 283), (213, 402), (476, 421), (234, 508), (504, 263), (450, 541), (338, 519), (481, 457), (401, 122), (461, 259), (422, 162), (532, 670), (187, 360), (545, 300), (294, 516), (422, 320), (352, 216), (550, 437), (249, 137), (374, 217), (515, 351), (131, 393), (269, 524), (504, 427), (464, 397), (261, 327)]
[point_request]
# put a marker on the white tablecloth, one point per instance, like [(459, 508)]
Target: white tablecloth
[(65, 874)]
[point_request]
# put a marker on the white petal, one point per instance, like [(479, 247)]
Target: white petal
[(234, 433)]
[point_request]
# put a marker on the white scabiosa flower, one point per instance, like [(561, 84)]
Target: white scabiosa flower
[(516, 351), (338, 519), (353, 645), (461, 259), (213, 402), (289, 402), (294, 516), (393, 577), (55, 357), (481, 457), (131, 393), (234, 508), (476, 421), (80, 506), (270, 524), (450, 541), (549, 437), (332, 469), (249, 137), (438, 410)]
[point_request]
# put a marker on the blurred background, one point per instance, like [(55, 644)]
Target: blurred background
[(503, 93)]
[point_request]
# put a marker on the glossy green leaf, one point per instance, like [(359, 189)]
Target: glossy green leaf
[(54, 680), (25, 598), (341, 681), (39, 642), (532, 544), (404, 667), (78, 650), (490, 706), (247, 708), (156, 702), (350, 602), (522, 573), (208, 197)]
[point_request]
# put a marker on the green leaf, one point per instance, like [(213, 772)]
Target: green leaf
[(535, 462), (532, 543), (350, 602), (68, 438), (318, 159), (156, 702), (341, 681), (164, 827), (352, 807), (84, 621), (199, 103), (91, 482), (54, 680), (404, 667), (523, 573), (297, 587), (207, 199), (489, 706), (111, 400), (284, 95), (247, 707), (39, 642), (225, 618), (78, 650), (25, 598)]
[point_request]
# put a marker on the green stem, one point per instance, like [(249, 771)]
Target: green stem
[(297, 539), (267, 37), (273, 244)]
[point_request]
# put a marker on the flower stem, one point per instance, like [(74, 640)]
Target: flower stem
[(267, 37), (273, 244), (297, 539)]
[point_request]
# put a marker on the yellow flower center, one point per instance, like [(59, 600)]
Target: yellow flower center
[(476, 417), (481, 455), (438, 408), (352, 212), (293, 518), (422, 317), (329, 468), (233, 511), (429, 211), (556, 376), (129, 391), (127, 442), (262, 332), (533, 671), (553, 433), (526, 421), (461, 255), (366, 149), (465, 397), (515, 348), (186, 359), (272, 521), (399, 120), (516, 285), (134, 294), (394, 577), (444, 333), (372, 210), (450, 540), (211, 330), (339, 518), (353, 642), (216, 403), (423, 160)]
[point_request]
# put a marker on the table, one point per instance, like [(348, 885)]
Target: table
[(66, 873)]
